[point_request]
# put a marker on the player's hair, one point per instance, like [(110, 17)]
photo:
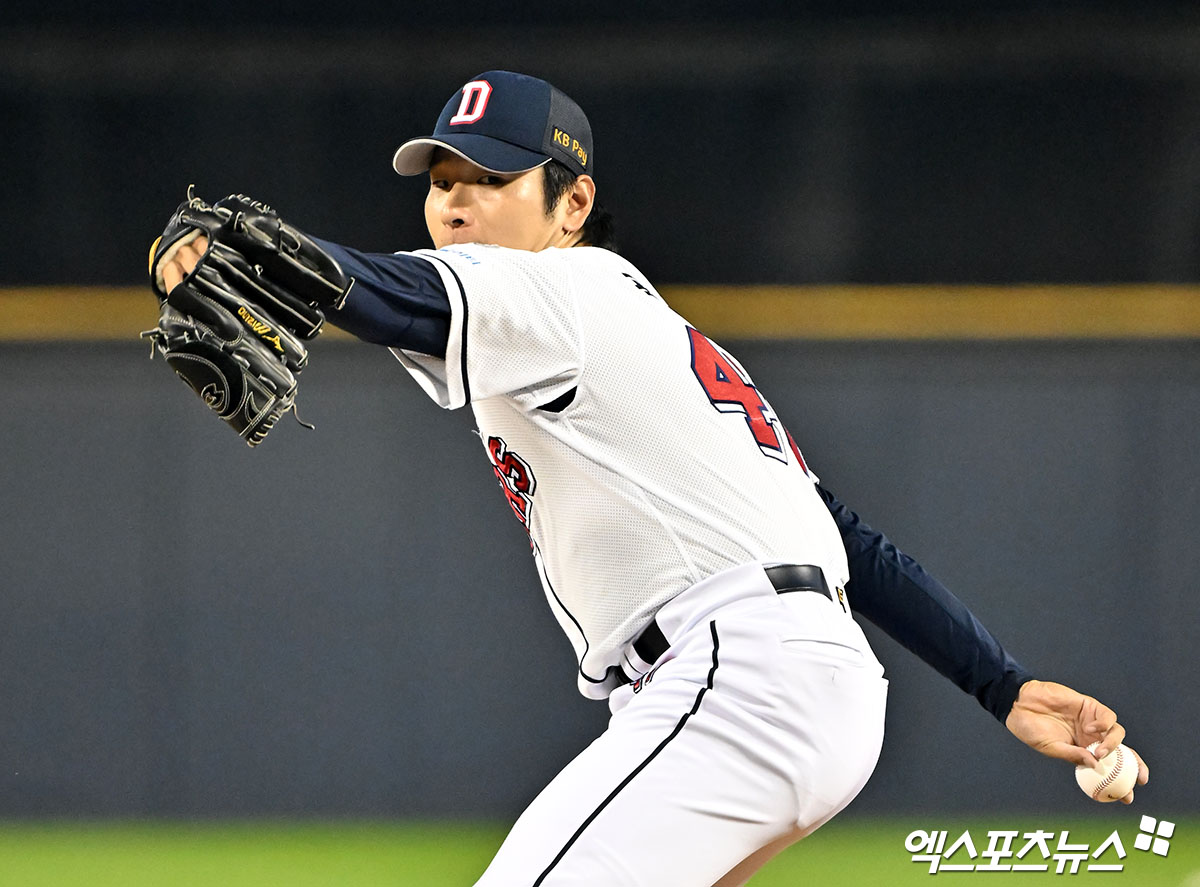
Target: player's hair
[(599, 229)]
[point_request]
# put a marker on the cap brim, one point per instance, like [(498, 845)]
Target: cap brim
[(416, 155)]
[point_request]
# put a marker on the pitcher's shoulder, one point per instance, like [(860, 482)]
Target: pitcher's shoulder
[(596, 261)]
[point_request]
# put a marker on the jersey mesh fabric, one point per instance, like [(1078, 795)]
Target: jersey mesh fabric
[(641, 487)]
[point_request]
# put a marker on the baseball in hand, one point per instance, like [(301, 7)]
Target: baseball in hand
[(1113, 779)]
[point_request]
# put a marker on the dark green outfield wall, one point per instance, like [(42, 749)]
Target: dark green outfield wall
[(371, 638)]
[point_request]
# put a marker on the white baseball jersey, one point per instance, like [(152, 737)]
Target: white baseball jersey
[(636, 452)]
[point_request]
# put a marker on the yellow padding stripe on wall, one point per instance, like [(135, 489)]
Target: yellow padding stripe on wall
[(912, 312), (943, 312)]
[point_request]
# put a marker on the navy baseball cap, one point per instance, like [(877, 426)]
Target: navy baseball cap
[(505, 122)]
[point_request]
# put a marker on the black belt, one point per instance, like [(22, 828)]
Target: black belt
[(785, 578)]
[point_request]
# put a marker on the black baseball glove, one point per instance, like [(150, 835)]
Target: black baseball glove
[(234, 328)]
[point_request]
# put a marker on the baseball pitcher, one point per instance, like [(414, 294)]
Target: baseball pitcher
[(702, 574)]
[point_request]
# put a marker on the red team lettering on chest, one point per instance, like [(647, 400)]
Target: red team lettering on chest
[(515, 476)]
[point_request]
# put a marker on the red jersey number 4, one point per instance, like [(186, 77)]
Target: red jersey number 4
[(730, 390)]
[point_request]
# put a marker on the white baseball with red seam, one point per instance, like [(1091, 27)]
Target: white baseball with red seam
[(1113, 779)]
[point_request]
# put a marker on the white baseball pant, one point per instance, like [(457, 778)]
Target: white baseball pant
[(761, 722)]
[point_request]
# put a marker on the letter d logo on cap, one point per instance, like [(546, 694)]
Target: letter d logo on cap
[(474, 102)]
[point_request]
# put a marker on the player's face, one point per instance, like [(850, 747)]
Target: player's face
[(468, 204)]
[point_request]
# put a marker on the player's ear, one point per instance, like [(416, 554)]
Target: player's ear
[(579, 201)]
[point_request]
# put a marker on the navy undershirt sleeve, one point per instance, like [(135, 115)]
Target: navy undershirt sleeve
[(396, 300), (895, 593)]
